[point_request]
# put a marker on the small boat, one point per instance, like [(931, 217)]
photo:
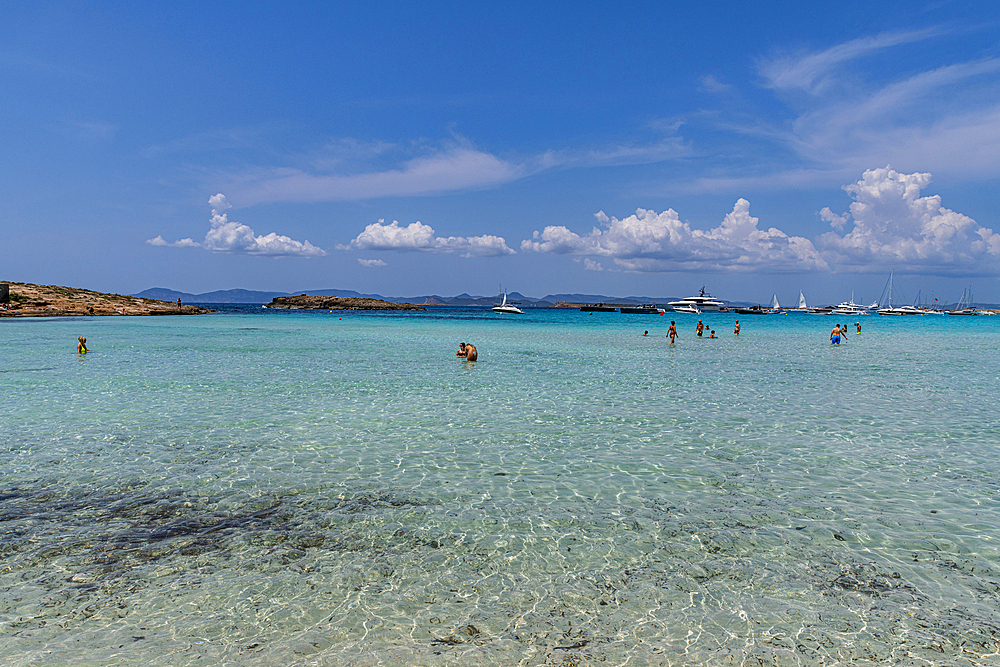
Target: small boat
[(703, 302), (505, 307), (598, 308), (965, 306), (642, 309), (820, 310), (687, 308), (803, 306), (775, 308), (752, 310)]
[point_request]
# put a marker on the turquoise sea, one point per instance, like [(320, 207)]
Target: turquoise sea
[(285, 488)]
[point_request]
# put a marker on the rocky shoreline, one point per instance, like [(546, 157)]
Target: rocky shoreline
[(306, 302), (30, 300)]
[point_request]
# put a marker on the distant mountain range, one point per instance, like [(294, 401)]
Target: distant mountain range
[(548, 301), (252, 296)]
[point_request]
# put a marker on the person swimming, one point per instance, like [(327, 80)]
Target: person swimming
[(81, 346), (712, 334)]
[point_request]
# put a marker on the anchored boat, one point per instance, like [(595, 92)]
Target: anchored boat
[(704, 303), (505, 307)]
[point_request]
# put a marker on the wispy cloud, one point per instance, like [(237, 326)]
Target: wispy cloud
[(351, 170), (228, 236), (939, 118), (845, 114), (709, 84), (811, 71), (371, 263), (417, 236), (447, 170)]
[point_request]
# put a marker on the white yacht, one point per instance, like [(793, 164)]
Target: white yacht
[(703, 303), (889, 309), (850, 308), (507, 307)]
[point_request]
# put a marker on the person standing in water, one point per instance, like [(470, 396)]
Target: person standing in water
[(467, 350), (700, 328), (672, 332), (835, 335), (81, 346), (736, 329)]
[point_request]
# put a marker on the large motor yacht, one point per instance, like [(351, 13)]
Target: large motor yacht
[(705, 303)]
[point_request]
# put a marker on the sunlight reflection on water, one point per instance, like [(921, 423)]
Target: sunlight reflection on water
[(265, 489)]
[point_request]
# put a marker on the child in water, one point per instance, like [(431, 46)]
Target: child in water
[(712, 334)]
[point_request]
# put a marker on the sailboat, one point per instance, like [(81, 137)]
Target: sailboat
[(775, 308), (505, 307), (965, 306), (888, 308)]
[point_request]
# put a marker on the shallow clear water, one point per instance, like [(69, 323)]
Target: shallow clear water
[(275, 488)]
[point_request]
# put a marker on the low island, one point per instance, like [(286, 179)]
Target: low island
[(307, 302), (30, 300)]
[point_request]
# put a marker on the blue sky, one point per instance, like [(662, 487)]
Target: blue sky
[(437, 147)]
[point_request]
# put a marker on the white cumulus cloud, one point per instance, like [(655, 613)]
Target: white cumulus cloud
[(836, 221), (650, 241), (225, 235), (418, 236), (894, 227), (370, 263)]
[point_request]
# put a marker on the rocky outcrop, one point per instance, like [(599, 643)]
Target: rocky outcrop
[(306, 302), (30, 300)]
